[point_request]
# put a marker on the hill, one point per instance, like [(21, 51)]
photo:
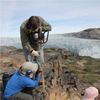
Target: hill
[(91, 33)]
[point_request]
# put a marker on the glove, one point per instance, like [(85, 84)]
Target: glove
[(35, 53), (41, 82), (40, 69)]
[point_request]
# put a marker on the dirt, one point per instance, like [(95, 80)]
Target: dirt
[(64, 73)]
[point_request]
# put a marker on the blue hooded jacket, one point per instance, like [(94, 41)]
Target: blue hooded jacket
[(18, 82)]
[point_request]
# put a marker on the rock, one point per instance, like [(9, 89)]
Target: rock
[(92, 33), (6, 49)]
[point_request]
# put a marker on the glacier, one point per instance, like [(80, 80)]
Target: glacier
[(79, 46)]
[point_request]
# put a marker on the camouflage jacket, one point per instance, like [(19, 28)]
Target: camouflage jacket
[(24, 38)]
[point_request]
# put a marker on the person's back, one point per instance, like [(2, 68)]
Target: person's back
[(17, 83), (20, 80)]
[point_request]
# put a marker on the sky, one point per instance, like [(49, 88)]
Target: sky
[(65, 16)]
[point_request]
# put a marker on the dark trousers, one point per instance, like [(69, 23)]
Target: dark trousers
[(21, 96)]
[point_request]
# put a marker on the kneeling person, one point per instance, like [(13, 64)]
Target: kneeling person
[(23, 78)]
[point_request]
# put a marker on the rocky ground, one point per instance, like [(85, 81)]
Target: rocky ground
[(66, 75)]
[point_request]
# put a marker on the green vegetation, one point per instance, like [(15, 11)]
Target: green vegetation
[(87, 68)]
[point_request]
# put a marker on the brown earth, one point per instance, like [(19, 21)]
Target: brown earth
[(66, 76)]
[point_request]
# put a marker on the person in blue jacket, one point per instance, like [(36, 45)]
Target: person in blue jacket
[(20, 80)]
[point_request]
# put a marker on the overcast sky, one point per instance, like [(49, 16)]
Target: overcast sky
[(64, 15)]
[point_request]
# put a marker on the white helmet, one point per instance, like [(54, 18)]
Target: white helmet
[(29, 67), (90, 93)]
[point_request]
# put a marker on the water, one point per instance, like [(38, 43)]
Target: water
[(10, 42), (79, 46)]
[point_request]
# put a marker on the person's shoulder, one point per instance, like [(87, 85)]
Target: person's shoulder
[(40, 18), (26, 79), (16, 73)]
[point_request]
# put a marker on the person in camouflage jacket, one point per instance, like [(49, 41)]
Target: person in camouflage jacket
[(32, 39)]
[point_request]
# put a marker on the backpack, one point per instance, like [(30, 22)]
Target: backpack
[(5, 78)]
